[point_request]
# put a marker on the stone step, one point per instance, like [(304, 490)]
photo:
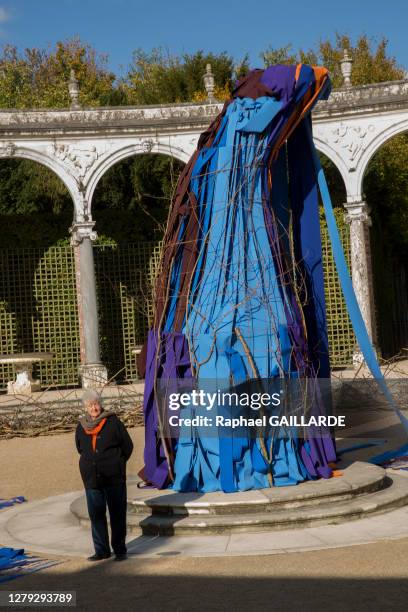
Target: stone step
[(363, 490), (393, 496), (357, 479)]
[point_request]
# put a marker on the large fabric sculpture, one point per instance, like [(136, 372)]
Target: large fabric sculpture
[(240, 293)]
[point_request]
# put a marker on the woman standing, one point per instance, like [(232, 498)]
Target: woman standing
[(104, 446)]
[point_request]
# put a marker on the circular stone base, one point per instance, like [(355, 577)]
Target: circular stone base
[(362, 490)]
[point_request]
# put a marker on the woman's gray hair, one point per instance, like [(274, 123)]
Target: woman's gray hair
[(90, 395)]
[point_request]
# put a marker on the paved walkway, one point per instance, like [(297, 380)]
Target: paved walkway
[(47, 526), (186, 573)]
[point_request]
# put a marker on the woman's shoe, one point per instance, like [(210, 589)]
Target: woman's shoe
[(99, 557)]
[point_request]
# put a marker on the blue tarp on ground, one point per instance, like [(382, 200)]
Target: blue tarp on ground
[(6, 503), (14, 563)]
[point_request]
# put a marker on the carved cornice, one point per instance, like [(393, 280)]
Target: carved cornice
[(147, 121), (181, 117), (364, 99)]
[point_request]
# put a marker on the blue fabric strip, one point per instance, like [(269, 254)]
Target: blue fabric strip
[(360, 446), (307, 243), (388, 455)]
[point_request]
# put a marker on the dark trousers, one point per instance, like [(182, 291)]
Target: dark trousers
[(115, 498)]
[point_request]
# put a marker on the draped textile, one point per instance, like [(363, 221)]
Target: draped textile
[(240, 294)]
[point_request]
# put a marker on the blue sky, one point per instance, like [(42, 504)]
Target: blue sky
[(116, 27)]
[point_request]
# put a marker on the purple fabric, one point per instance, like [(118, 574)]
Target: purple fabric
[(281, 80), (167, 360), (316, 453)]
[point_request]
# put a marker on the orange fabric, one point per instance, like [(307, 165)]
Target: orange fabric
[(298, 67), (335, 473), (94, 432), (321, 75)]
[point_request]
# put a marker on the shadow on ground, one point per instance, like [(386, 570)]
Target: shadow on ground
[(175, 584)]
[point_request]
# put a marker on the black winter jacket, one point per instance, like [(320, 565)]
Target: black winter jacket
[(106, 465)]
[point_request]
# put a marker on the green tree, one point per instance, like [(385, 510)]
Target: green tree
[(279, 55), (132, 199), (38, 78), (35, 206), (386, 190), (371, 61), (161, 78)]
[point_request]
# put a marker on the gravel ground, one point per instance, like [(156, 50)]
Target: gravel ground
[(368, 577), (48, 465)]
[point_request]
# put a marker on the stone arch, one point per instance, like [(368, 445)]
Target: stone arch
[(56, 167), (375, 144), (123, 153)]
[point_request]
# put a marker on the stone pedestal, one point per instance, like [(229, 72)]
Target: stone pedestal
[(93, 375), (23, 365), (24, 383)]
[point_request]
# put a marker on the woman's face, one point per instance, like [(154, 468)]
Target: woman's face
[(94, 408)]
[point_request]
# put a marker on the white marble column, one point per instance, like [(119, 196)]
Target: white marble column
[(92, 371), (361, 268)]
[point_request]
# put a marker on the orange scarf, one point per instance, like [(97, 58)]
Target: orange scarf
[(94, 432)]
